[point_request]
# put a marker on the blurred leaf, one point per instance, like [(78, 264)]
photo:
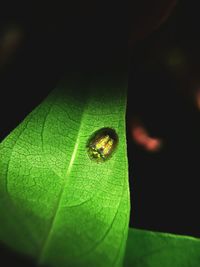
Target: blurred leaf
[(153, 249), (146, 16)]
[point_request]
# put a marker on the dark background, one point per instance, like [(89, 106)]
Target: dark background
[(164, 70), (164, 77)]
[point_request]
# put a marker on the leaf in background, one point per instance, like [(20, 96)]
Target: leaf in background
[(57, 205), (146, 16), (153, 249)]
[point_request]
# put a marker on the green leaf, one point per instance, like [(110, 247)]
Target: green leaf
[(154, 249), (57, 205)]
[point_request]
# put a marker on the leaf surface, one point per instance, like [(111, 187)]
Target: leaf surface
[(57, 205), (154, 249)]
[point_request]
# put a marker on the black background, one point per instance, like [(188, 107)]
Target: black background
[(164, 185)]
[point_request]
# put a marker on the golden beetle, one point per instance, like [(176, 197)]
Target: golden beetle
[(102, 144)]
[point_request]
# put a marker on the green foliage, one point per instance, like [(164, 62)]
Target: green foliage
[(57, 205), (64, 195), (154, 249)]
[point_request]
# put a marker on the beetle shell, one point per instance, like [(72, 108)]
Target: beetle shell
[(102, 144)]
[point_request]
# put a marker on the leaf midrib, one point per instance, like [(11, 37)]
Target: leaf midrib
[(68, 171)]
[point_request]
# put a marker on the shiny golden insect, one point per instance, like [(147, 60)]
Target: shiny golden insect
[(102, 144)]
